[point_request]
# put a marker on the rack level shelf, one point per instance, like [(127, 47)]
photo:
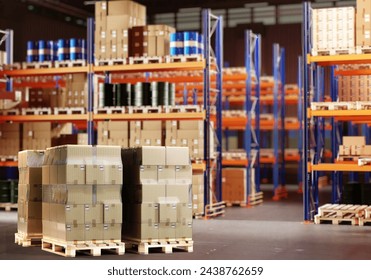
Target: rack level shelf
[(44, 71), (343, 166), (328, 60), (151, 116)]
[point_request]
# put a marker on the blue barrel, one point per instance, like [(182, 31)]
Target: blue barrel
[(32, 51), (45, 50), (176, 43), (75, 49), (190, 43), (200, 44), (63, 50)]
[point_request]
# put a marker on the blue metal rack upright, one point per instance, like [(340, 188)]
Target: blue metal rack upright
[(300, 119), (279, 189), (252, 107), (213, 26), (8, 37), (90, 58)]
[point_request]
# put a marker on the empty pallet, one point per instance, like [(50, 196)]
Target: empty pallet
[(66, 249), (342, 210), (333, 219), (165, 246), (27, 240)]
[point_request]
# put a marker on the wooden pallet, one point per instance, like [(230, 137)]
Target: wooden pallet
[(69, 111), (36, 111), (342, 210), (368, 212), (166, 247), (184, 58), (145, 60), (8, 158), (214, 209), (332, 106), (70, 63), (363, 49), (8, 206), (316, 52), (144, 110), (236, 203), (235, 156), (234, 113), (109, 110), (27, 240), (67, 249), (37, 65), (111, 62), (14, 66), (255, 199), (346, 219), (198, 216), (11, 112), (183, 109)]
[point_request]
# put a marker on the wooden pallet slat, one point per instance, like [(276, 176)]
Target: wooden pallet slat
[(8, 206), (166, 247), (27, 240)]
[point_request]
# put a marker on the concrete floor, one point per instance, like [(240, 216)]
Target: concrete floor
[(272, 231)]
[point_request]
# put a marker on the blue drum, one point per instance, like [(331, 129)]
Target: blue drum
[(32, 51), (190, 43), (44, 51), (75, 49), (176, 43)]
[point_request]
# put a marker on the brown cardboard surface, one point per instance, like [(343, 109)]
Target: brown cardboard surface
[(191, 125), (152, 125), (149, 193), (112, 231), (168, 212), (177, 156), (167, 230), (70, 232), (184, 211), (93, 213), (166, 174), (45, 206), (112, 213), (30, 192), (68, 214), (183, 174), (184, 229), (152, 156), (148, 174), (30, 175), (142, 231), (108, 194), (94, 231), (72, 174), (141, 213), (182, 192), (31, 226)]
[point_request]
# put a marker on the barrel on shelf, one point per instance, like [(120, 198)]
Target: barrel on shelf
[(63, 49), (190, 43), (32, 51), (45, 50), (76, 49), (176, 43)]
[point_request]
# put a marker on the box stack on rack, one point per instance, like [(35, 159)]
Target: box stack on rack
[(29, 197), (354, 88), (76, 88), (113, 133), (113, 19), (157, 195), (82, 197), (145, 133), (363, 26), (186, 134), (36, 135), (198, 194), (2, 58), (150, 40), (333, 31), (234, 186), (9, 139)]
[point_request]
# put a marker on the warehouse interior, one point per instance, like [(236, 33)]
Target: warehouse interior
[(150, 130)]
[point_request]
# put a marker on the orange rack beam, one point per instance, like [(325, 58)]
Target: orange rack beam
[(44, 71), (9, 163), (151, 116), (339, 166), (235, 162), (45, 118)]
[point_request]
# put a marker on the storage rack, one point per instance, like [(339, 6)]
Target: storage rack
[(211, 67), (7, 36), (313, 154)]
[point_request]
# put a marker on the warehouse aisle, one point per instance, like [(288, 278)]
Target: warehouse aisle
[(272, 231)]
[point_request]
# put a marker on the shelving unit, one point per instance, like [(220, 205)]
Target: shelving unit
[(210, 69), (314, 120)]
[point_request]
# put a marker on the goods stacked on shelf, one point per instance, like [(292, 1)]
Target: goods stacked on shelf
[(36, 135), (113, 20), (8, 192), (157, 194), (337, 37), (81, 194), (187, 134), (198, 193), (234, 186), (150, 40), (363, 25), (2, 58), (186, 43), (56, 51), (145, 133), (76, 91), (113, 133), (9, 139), (354, 88), (29, 197)]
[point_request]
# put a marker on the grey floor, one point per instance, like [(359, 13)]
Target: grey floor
[(271, 231)]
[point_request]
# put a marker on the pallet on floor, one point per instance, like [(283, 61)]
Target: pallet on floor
[(198, 216), (8, 206), (166, 247), (67, 249), (215, 209), (342, 210), (255, 199), (333, 219), (27, 240), (70, 63)]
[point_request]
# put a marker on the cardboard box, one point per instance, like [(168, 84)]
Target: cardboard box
[(68, 214), (177, 156), (112, 213), (29, 227), (149, 193), (93, 213), (167, 231), (108, 194), (143, 231), (148, 174), (30, 175), (141, 213), (168, 212), (182, 192), (354, 140), (94, 232), (184, 229), (30, 192), (166, 174), (152, 125), (30, 158), (184, 211), (70, 232), (183, 174), (191, 125), (151, 156), (112, 231), (72, 174), (30, 210), (104, 174)]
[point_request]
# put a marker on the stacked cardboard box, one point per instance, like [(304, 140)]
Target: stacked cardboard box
[(30, 193), (113, 19), (333, 30), (157, 193), (113, 133), (234, 185), (145, 133), (363, 23), (2, 58), (354, 88), (36, 135), (198, 193), (82, 193), (150, 40), (9, 139), (186, 134), (82, 139), (76, 87), (39, 97)]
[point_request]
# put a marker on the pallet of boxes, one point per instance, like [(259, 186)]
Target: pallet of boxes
[(29, 229), (82, 207), (157, 199)]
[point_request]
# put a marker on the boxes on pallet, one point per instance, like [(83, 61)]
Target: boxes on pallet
[(9, 139), (36, 136), (363, 24), (234, 184)]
